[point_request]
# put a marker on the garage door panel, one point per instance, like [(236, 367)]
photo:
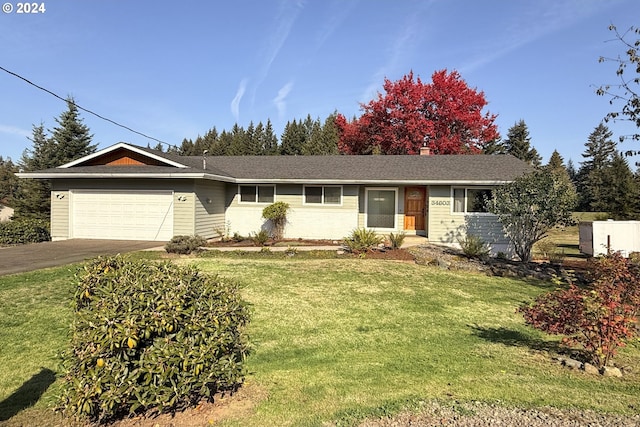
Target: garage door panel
[(122, 215)]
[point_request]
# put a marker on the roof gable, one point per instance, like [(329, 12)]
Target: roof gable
[(122, 154)]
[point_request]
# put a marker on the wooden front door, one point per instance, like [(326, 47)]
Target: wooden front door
[(415, 208)]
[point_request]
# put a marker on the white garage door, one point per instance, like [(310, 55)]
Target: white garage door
[(122, 215)]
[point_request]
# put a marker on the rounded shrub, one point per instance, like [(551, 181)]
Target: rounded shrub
[(24, 231), (277, 214), (150, 336), (185, 244)]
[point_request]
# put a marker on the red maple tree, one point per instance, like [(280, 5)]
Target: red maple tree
[(445, 114)]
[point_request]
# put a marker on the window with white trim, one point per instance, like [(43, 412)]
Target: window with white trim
[(322, 195), (257, 193), (381, 208), (471, 200)]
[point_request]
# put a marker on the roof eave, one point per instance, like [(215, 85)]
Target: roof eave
[(75, 175), (371, 181)]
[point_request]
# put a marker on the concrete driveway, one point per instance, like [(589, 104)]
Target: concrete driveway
[(18, 259)]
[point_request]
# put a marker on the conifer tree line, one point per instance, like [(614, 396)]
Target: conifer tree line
[(300, 137)]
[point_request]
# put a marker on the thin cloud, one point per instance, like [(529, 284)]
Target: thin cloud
[(403, 45), (235, 102), (287, 14), (340, 10), (544, 18), (12, 130), (280, 99)]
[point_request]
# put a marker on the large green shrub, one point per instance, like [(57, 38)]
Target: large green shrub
[(185, 244), (277, 214), (362, 240), (24, 231), (151, 336)]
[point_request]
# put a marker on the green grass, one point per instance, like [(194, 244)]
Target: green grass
[(567, 239), (339, 340)]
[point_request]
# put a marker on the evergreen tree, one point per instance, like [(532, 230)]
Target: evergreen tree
[(239, 143), (71, 137), (313, 141), (571, 170), (622, 193), (70, 140), (591, 179), (252, 139), (269, 141), (187, 148), (223, 148), (32, 197), (494, 146), (158, 147), (323, 138), (8, 181), (556, 162), (293, 138), (518, 144)]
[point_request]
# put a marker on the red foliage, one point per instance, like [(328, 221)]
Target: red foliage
[(446, 114), (601, 317)]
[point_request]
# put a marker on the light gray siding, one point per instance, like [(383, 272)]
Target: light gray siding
[(184, 200), (59, 212), (446, 227), (209, 208)]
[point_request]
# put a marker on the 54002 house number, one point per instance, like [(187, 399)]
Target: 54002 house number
[(440, 203)]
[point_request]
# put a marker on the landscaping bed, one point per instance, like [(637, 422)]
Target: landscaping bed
[(247, 242)]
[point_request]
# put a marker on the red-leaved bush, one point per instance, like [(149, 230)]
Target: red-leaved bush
[(600, 317)]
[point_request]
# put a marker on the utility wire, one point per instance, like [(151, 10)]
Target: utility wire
[(82, 108)]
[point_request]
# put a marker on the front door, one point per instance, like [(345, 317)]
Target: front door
[(415, 208)]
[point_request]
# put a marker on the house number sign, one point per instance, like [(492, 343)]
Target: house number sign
[(440, 203)]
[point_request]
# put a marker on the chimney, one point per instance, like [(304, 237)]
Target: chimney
[(425, 151)]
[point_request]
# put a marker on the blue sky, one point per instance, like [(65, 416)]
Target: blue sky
[(173, 70)]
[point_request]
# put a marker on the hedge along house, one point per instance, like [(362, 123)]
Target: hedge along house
[(134, 193)]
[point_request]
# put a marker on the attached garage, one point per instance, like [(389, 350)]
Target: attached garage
[(121, 214)]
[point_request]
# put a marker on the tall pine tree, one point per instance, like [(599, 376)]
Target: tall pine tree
[(323, 138), (70, 140), (622, 195), (8, 181), (592, 176), (518, 144), (71, 137), (293, 138), (32, 198)]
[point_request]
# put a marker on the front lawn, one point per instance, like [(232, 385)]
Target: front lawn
[(339, 340)]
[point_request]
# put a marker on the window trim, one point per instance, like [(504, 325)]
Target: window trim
[(453, 200), (366, 208), (322, 202), (256, 186)]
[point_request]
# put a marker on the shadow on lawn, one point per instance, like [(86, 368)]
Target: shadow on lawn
[(27, 395), (512, 338)]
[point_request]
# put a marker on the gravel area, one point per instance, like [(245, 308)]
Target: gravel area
[(480, 415)]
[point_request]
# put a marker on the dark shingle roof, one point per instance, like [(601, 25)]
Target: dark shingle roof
[(371, 168), (428, 169)]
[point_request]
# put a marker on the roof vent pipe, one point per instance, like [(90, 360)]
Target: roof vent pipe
[(204, 159)]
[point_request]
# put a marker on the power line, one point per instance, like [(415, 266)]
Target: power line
[(82, 108)]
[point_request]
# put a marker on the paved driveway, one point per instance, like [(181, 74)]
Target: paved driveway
[(18, 259)]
